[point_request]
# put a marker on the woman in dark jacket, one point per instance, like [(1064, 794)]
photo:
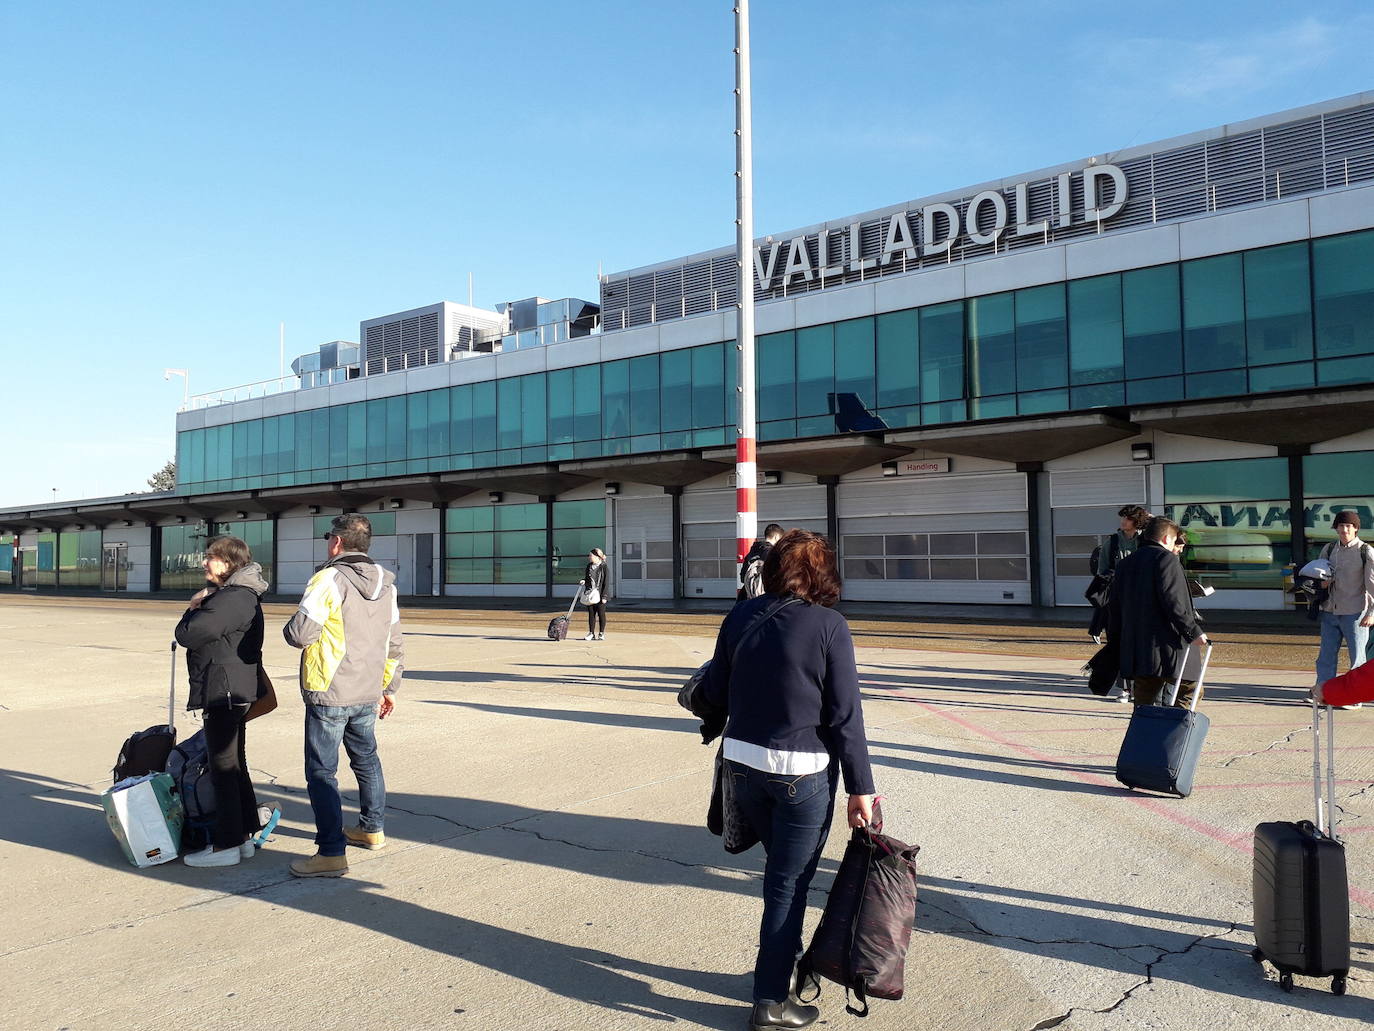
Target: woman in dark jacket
[(222, 634), (784, 671), (596, 577)]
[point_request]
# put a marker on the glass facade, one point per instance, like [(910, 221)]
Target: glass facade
[(183, 548), (1332, 483), (257, 534), (1272, 319), (1237, 517), (507, 544), (6, 558), (578, 527), (78, 558)]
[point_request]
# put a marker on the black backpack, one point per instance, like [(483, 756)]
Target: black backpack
[(144, 752)]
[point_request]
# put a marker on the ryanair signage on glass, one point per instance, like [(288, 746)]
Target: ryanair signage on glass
[(933, 230)]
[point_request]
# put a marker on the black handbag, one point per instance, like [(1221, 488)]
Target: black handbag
[(863, 935)]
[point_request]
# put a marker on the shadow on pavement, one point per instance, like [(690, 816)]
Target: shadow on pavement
[(604, 719)]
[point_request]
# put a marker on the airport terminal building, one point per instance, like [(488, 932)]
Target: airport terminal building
[(961, 390)]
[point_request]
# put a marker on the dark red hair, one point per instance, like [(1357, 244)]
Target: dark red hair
[(803, 563)]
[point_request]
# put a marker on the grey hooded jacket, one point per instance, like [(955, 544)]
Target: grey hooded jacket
[(349, 627)]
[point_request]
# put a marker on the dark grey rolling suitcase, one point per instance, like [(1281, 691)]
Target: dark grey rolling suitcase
[(1162, 744), (1301, 895), (558, 626)]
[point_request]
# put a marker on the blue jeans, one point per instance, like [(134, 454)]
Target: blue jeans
[(791, 816), (355, 726), (1334, 629)]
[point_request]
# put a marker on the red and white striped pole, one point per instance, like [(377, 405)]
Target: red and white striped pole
[(746, 469)]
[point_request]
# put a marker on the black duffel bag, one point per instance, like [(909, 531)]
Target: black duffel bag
[(863, 935)]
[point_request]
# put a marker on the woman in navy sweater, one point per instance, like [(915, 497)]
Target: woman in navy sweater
[(784, 671)]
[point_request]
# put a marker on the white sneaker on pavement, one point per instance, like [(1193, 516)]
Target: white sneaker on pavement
[(590, 637)]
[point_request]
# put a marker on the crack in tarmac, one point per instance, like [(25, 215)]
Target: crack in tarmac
[(1273, 744), (1163, 954)]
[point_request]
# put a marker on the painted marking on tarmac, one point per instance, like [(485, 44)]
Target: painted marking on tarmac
[(1241, 841)]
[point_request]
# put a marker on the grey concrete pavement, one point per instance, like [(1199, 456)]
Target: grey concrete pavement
[(548, 867)]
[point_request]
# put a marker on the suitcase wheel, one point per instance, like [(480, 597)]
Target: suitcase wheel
[(1338, 985), (1286, 982)]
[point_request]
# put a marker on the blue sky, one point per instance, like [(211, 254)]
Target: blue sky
[(180, 178)]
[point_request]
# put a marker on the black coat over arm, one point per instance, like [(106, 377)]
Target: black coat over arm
[(1151, 612)]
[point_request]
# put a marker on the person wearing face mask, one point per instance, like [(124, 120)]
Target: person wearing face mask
[(221, 631)]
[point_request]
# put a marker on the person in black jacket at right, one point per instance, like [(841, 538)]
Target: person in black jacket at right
[(751, 569), (222, 634), (791, 691), (1151, 615)]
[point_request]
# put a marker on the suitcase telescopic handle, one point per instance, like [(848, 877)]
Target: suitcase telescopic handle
[(1326, 808), (1201, 675), (172, 691)]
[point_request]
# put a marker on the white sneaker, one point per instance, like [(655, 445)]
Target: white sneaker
[(209, 857), (246, 850), (601, 637), (590, 637), (1344, 708)]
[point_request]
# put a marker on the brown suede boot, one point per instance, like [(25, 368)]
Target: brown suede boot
[(320, 866)]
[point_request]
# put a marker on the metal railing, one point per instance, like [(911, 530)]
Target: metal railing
[(242, 392)]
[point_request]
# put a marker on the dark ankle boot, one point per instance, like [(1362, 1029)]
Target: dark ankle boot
[(781, 1014)]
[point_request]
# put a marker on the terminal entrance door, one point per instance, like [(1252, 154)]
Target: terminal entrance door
[(114, 567), (27, 569), (643, 547)]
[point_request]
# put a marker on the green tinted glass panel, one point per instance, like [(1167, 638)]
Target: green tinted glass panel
[(560, 406), (579, 513), (615, 399), (815, 369), (644, 399), (1343, 282), (534, 413), (1341, 473), (991, 345), (898, 355), (709, 381), (1096, 341), (438, 428), (1231, 383), (508, 399), (467, 520), (468, 571), (942, 358), (1278, 305), (1213, 314), (1037, 401), (1042, 343), (528, 570), (1282, 377), (1152, 322), (519, 517), (483, 408), (587, 402), (856, 362), (460, 419), (520, 542), (777, 375), (1149, 391), (1231, 480), (675, 397)]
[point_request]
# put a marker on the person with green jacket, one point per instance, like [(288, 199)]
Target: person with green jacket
[(348, 626)]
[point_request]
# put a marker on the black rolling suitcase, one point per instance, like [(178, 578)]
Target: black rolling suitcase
[(147, 750), (1302, 897), (1162, 744), (558, 626)]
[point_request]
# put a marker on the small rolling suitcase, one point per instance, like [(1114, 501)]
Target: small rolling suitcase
[(1301, 895), (558, 626), (1162, 744), (147, 750)]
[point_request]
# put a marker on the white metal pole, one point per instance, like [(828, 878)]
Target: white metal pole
[(746, 468)]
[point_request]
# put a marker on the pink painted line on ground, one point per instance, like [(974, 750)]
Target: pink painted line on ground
[(1241, 841), (1271, 784), (1126, 712)]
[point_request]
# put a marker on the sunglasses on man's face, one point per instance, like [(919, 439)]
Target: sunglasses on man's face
[(328, 535)]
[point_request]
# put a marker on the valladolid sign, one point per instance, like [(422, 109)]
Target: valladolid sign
[(934, 229)]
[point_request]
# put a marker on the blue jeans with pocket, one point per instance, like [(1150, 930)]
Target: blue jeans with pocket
[(1335, 629), (355, 727), (791, 815)]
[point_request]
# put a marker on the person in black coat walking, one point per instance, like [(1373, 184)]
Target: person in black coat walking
[(222, 634), (1151, 615), (596, 577), (784, 672)]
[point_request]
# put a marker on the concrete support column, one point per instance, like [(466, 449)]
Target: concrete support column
[(679, 561), (547, 501), (1033, 524), (832, 516), (1297, 522)]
